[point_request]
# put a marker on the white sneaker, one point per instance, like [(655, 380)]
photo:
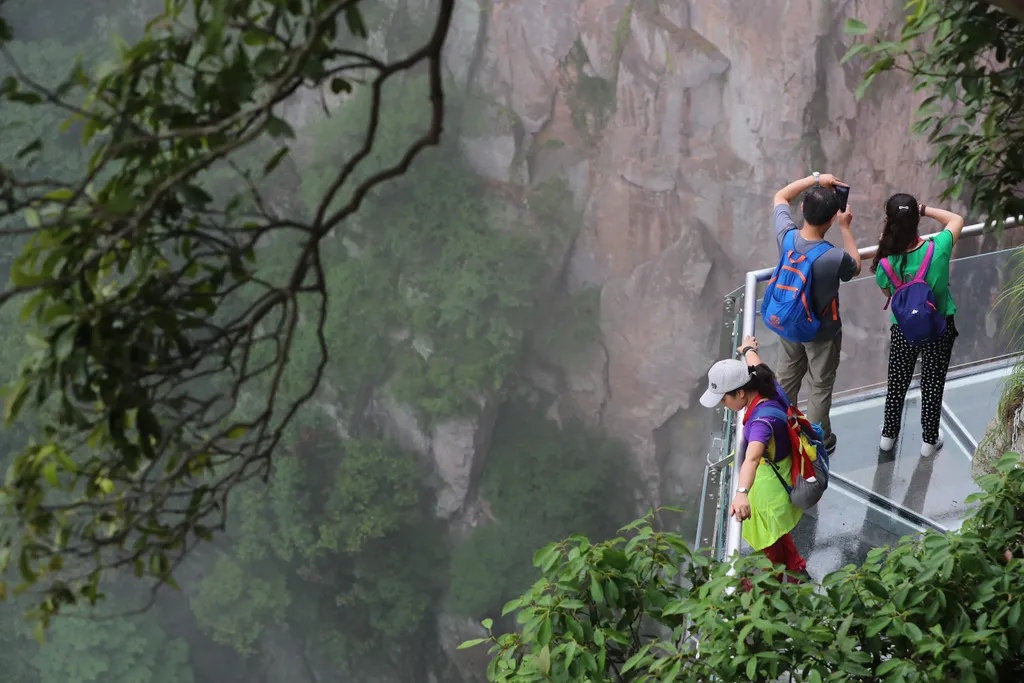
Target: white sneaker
[(928, 449), (886, 444)]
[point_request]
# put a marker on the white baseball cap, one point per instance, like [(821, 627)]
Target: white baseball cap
[(723, 377)]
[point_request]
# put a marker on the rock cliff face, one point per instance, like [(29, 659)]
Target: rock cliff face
[(675, 123)]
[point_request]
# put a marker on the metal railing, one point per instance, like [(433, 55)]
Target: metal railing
[(743, 306)]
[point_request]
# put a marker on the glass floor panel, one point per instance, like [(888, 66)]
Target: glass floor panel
[(934, 487), (841, 530), (846, 525), (974, 399)]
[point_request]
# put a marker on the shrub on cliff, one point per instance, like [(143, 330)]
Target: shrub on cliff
[(542, 482), (937, 607), (965, 57)]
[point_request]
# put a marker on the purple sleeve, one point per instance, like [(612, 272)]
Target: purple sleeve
[(759, 432)]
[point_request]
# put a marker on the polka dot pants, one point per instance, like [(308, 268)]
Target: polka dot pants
[(934, 364)]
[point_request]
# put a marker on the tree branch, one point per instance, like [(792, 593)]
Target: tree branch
[(1015, 8)]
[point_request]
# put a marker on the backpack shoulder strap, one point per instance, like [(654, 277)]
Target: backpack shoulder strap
[(778, 475), (794, 439), (893, 277), (770, 411), (789, 241), (819, 250), (927, 261)]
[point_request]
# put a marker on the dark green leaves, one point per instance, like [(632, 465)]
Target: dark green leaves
[(275, 160), (278, 128), (154, 322), (268, 61), (354, 20), (884, 621), (31, 147), (972, 117), (340, 85), (471, 643), (855, 27)]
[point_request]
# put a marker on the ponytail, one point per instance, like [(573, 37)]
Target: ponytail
[(762, 381), (899, 234)]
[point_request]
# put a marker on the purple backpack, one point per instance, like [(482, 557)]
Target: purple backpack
[(913, 303)]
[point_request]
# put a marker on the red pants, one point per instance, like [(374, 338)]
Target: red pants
[(784, 552)]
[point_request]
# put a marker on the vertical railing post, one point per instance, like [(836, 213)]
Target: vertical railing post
[(734, 534), (710, 525)]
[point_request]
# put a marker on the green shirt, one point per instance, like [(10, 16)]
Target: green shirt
[(906, 265)]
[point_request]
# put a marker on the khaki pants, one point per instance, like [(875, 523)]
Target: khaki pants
[(819, 360)]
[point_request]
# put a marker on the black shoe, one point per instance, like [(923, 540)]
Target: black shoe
[(830, 443)]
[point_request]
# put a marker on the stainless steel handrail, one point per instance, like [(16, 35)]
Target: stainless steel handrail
[(734, 532)]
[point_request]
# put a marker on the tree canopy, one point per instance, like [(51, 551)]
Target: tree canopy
[(965, 58), (140, 436), (154, 380)]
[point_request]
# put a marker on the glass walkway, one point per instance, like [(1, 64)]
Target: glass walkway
[(874, 498)]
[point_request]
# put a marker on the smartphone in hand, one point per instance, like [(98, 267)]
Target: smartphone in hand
[(843, 192)]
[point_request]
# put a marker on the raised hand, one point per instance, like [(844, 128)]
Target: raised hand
[(846, 217), (829, 180)]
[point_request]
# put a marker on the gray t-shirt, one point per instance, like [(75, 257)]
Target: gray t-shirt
[(833, 266)]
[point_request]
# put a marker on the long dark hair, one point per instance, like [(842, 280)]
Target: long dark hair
[(902, 216), (762, 381)]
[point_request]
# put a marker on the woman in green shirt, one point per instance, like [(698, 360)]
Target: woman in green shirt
[(903, 246)]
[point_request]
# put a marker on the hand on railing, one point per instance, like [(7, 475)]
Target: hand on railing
[(750, 356), (740, 508)]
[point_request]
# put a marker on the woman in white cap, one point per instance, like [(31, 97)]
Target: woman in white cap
[(761, 501)]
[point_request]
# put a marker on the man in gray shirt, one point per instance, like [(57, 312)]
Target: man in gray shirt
[(818, 359)]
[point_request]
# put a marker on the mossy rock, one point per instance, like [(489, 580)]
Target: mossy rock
[(999, 431)]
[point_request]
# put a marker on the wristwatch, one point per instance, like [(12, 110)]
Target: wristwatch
[(817, 176), (742, 490), (746, 349)]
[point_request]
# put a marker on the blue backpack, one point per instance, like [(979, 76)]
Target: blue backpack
[(786, 307), (913, 303)]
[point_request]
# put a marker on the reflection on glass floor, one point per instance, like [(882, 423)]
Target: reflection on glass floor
[(875, 497), (974, 400)]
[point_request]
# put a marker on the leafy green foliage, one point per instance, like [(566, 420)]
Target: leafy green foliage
[(46, 63), (376, 490), (966, 57), (541, 482), (156, 328), (235, 604), (427, 288), (365, 573), (137, 650), (643, 607)]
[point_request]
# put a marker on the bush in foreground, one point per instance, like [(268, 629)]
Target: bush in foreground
[(937, 607)]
